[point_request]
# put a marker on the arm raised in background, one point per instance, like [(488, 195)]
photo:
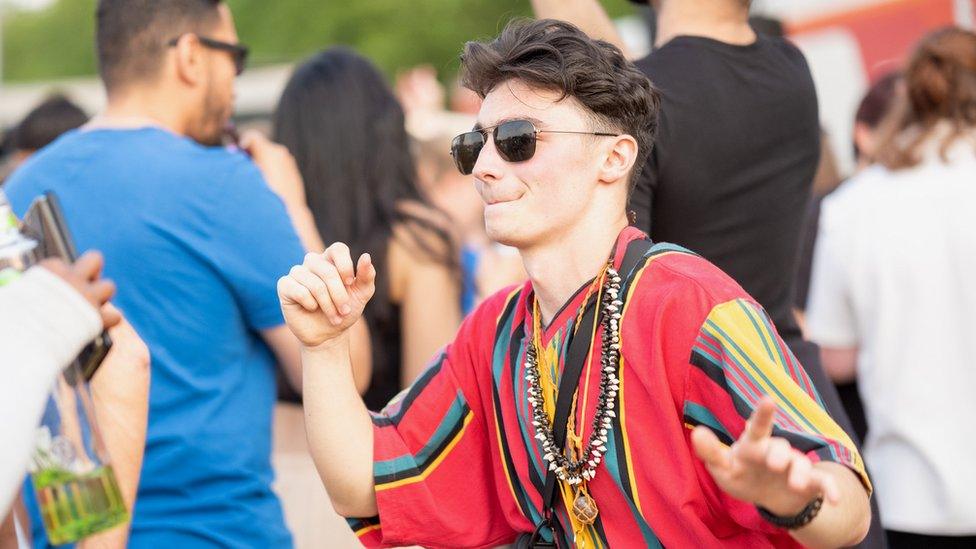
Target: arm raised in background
[(281, 173), (322, 299), (588, 15)]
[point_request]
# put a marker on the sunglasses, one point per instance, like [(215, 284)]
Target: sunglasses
[(238, 52), (515, 141)]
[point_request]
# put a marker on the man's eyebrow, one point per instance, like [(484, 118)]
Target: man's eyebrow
[(535, 122)]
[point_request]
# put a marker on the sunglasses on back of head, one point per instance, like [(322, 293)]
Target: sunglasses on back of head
[(514, 139), (238, 52)]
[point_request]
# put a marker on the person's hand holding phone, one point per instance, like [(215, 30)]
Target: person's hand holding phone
[(84, 275)]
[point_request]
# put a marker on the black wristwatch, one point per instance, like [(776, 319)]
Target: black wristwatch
[(799, 520)]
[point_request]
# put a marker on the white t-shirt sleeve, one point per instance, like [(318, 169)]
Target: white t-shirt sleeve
[(830, 318), (44, 324)]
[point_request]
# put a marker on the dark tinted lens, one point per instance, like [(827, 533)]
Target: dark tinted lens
[(515, 140), (465, 149)]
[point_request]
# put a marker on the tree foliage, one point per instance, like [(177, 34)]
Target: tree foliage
[(58, 41)]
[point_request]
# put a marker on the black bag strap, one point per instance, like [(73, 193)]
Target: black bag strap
[(579, 349)]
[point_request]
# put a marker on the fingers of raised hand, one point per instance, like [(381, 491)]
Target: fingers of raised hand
[(292, 291), (320, 291), (822, 483), (329, 273), (710, 450), (341, 257), (779, 455), (760, 424), (365, 283)]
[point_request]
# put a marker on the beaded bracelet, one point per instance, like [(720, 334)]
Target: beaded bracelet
[(797, 521)]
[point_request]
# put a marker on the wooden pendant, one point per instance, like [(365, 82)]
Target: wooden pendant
[(584, 509)]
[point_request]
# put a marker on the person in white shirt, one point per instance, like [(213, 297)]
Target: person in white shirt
[(46, 317), (892, 297)]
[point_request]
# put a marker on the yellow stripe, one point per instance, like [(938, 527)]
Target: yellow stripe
[(423, 476), (367, 529), (767, 337), (738, 328)]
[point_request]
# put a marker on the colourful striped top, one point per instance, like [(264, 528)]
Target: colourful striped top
[(457, 464)]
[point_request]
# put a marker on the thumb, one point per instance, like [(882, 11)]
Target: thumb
[(365, 283), (709, 448)]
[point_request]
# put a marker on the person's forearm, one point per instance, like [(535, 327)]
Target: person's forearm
[(340, 432), (842, 524), (588, 15), (120, 394), (304, 223)]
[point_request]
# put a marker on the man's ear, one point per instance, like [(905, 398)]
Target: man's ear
[(189, 60), (621, 154)]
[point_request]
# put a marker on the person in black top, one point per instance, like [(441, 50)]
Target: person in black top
[(738, 144)]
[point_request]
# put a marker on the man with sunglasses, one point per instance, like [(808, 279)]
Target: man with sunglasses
[(196, 240), (628, 394)]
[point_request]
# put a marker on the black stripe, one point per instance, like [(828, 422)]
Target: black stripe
[(420, 468), (722, 435), (713, 372), (514, 350), (520, 496), (415, 390)]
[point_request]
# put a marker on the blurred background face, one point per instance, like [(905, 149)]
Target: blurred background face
[(217, 96), (533, 202)]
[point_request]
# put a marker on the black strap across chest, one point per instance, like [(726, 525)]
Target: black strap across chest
[(579, 349)]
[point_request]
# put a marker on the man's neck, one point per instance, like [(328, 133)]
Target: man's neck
[(725, 21), (557, 270), (136, 109)]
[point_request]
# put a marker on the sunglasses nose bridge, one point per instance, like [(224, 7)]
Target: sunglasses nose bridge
[(487, 163)]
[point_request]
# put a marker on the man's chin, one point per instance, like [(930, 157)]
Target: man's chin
[(505, 235)]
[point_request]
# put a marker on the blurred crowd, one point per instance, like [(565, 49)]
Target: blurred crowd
[(867, 276)]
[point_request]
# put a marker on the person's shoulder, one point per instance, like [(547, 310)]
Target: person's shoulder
[(671, 273), (423, 232), (857, 189), (668, 60), (785, 54)]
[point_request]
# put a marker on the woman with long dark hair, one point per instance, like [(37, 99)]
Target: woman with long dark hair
[(340, 120), (892, 297)]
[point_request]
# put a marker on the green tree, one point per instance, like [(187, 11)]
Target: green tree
[(58, 42)]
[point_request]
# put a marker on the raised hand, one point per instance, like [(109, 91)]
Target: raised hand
[(325, 295), (763, 469)]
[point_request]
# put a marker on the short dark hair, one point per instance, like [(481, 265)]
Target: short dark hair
[(558, 56), (132, 35), (54, 116)]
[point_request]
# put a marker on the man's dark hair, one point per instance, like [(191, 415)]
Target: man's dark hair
[(557, 56), (47, 122), (132, 36)]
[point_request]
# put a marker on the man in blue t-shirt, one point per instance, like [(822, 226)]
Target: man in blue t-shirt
[(196, 237)]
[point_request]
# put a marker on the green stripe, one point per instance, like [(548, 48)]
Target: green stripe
[(725, 339), (455, 415), (704, 416)]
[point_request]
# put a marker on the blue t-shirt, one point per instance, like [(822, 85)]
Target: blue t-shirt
[(195, 241)]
